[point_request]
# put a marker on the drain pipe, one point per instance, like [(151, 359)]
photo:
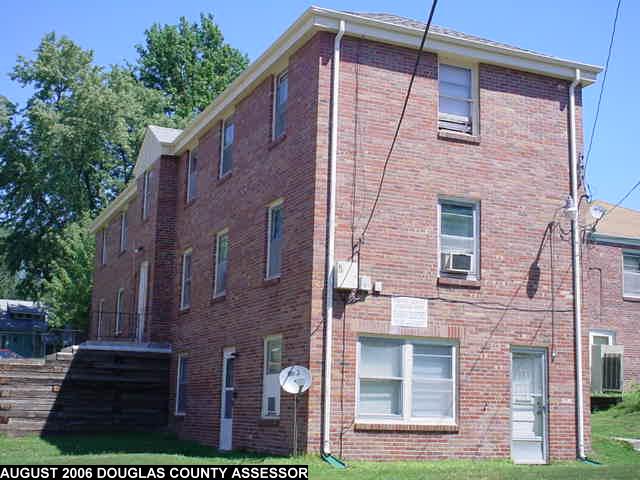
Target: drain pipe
[(577, 267), (331, 237)]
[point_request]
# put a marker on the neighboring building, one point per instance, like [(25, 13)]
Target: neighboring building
[(22, 325), (219, 248), (612, 299)]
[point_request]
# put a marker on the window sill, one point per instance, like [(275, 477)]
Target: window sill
[(269, 421), (458, 137), (122, 252), (627, 298), (224, 177), (405, 427), (184, 310), (188, 203), (458, 283), (267, 282), (180, 414), (277, 141), (219, 298)]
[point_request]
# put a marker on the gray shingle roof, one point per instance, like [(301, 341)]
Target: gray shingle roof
[(410, 23)]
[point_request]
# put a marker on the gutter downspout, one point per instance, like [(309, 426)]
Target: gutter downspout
[(577, 267), (331, 237)]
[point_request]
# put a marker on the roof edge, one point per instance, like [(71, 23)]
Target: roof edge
[(115, 205), (614, 240)]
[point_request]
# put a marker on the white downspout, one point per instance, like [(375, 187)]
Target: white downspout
[(577, 267), (331, 237)]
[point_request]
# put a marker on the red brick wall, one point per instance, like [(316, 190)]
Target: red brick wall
[(605, 306), (519, 172)]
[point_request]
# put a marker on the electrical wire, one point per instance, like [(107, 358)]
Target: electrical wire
[(617, 204), (404, 109), (604, 81)]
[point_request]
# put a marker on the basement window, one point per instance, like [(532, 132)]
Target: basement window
[(271, 384), (631, 281), (457, 108), (406, 381)]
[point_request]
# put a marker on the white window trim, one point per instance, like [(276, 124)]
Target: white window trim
[(270, 208), (407, 366), (181, 358), (145, 195), (103, 247), (119, 299), (189, 197), (476, 234), (276, 80), (123, 231), (183, 277), (222, 293), (600, 333), (475, 92), (631, 253), (222, 140), (265, 359), (100, 318)]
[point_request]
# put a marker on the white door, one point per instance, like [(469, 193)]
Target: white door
[(142, 299), (528, 406), (226, 414)]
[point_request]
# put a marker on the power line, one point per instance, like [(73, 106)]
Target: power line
[(622, 199), (404, 109), (604, 81)]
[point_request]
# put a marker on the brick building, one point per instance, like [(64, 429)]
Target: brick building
[(612, 282), (458, 338)]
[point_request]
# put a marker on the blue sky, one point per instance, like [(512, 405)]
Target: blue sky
[(573, 29)]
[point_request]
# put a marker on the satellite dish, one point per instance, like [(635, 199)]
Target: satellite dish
[(598, 211), (295, 379)]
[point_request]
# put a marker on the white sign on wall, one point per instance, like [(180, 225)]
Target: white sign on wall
[(409, 312)]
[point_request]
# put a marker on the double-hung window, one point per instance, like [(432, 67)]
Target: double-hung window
[(226, 154), (406, 381), (631, 281), (103, 247), (185, 290), (100, 318), (459, 238), (280, 105), (457, 103), (192, 175), (181, 385), (271, 384), (274, 240), (221, 262), (119, 311), (123, 231), (146, 194)]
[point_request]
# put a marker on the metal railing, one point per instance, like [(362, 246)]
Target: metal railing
[(21, 345), (119, 326)]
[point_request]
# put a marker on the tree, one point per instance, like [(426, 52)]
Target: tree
[(68, 152), (189, 63), (67, 292)]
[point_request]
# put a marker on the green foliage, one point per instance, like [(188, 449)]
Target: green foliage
[(67, 293), (189, 62)]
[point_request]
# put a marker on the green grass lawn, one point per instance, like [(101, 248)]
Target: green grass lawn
[(619, 460)]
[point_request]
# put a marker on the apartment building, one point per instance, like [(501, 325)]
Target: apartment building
[(448, 325)]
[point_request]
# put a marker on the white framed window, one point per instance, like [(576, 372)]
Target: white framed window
[(185, 284), (192, 175), (182, 379), (459, 238), (600, 337), (119, 311), (221, 263), (123, 231), (280, 105), (226, 153), (631, 275), (146, 194), (275, 235), (406, 381), (458, 100), (271, 384), (103, 247), (100, 318)]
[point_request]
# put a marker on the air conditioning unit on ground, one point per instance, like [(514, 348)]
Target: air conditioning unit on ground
[(607, 368), (457, 262)]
